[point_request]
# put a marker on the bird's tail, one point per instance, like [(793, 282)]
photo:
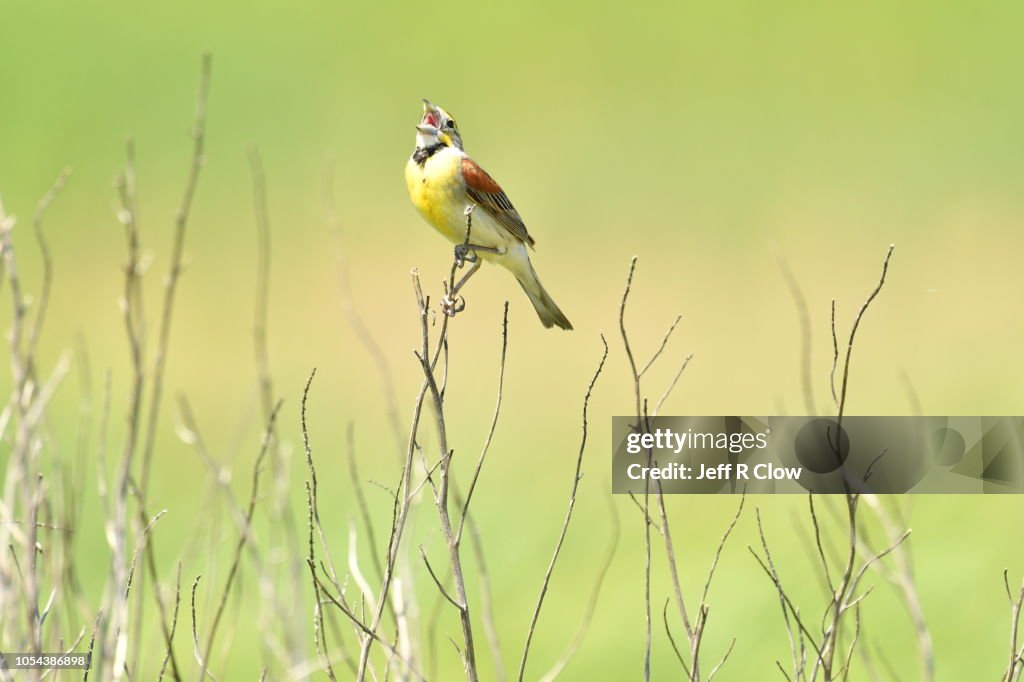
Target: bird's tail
[(546, 308)]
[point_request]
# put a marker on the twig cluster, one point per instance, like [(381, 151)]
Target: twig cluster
[(382, 616), (693, 627), (827, 651)]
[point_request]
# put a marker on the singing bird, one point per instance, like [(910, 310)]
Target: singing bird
[(451, 190)]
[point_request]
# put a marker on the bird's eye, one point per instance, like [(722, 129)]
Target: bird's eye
[(450, 124)]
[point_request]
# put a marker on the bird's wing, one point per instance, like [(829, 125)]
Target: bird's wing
[(482, 189)]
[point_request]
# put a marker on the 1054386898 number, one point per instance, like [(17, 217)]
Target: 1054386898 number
[(43, 661)]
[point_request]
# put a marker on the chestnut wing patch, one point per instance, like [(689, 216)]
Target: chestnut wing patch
[(482, 189)]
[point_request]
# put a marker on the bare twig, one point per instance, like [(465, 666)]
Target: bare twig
[(853, 334), (486, 603), (169, 656), (671, 386), (195, 628), (369, 631), (364, 509), (818, 543), (903, 578), (44, 250), (640, 507), (835, 357), (1016, 664), (721, 546), (437, 582), (847, 582), (92, 643), (403, 502), (661, 346), (259, 328), (198, 135), (844, 582), (240, 546), (198, 159), (568, 516), (728, 652), (319, 635), (672, 639), (441, 502), (800, 301), (588, 614), (313, 482), (625, 337), (648, 630), (494, 423), (355, 320)]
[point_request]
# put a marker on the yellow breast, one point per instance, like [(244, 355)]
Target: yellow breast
[(437, 192)]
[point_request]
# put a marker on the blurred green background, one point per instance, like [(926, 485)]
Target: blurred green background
[(709, 139)]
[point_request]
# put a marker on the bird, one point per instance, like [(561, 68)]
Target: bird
[(455, 196)]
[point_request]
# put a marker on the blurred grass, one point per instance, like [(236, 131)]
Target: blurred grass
[(708, 139)]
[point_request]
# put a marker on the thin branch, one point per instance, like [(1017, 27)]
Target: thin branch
[(364, 509), (441, 497), (169, 656), (355, 320), (721, 663), (670, 554), (881, 555), (588, 614), (625, 336), (44, 250), (640, 507), (369, 631), (1016, 655), (92, 643), (647, 527), (242, 540), (672, 640), (797, 294), (853, 333), (788, 609), (151, 566), (319, 634), (671, 386), (661, 347), (198, 135), (400, 510), (486, 602), (259, 327), (847, 583), (437, 582), (568, 515), (835, 357), (139, 546), (494, 423), (195, 628), (721, 546), (313, 483), (818, 543)]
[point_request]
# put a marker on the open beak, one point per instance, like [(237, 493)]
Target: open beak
[(431, 117)]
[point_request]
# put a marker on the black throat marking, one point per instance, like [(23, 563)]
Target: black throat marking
[(421, 154)]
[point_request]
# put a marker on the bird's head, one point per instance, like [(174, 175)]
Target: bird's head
[(437, 127)]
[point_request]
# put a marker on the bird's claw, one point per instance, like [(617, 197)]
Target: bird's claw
[(452, 305), (464, 254)]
